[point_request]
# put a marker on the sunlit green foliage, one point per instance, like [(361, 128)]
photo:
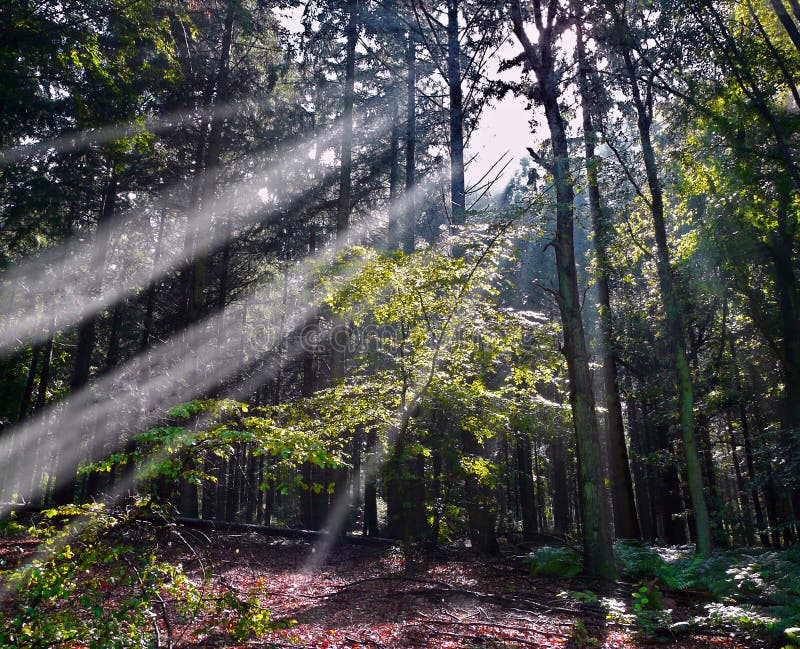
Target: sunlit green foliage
[(101, 578)]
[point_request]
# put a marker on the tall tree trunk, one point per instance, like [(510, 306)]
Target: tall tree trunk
[(744, 426), (527, 494), (409, 222), (782, 252), (371, 492), (478, 500), (626, 523), (457, 190), (673, 311), (786, 20), (598, 552), (744, 501), (27, 392), (344, 204), (208, 167), (41, 401), (7, 482), (481, 518), (114, 335), (559, 463), (641, 472), (395, 214)]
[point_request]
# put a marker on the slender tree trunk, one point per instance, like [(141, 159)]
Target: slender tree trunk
[(7, 483), (27, 392), (527, 495), (114, 335), (208, 170), (345, 178), (371, 492), (340, 336), (673, 312), (640, 472), (751, 471), (558, 462), (41, 401), (457, 190), (395, 215), (597, 542), (744, 501), (537, 469), (478, 502), (789, 306), (409, 222), (626, 523)]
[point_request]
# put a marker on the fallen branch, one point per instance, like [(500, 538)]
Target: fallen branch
[(284, 532)]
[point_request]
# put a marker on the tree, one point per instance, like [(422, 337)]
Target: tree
[(541, 58)]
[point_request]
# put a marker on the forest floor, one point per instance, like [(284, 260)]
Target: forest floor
[(363, 597)]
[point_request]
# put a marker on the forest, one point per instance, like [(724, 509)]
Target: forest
[(291, 356)]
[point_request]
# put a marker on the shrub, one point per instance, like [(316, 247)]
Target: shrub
[(555, 562)]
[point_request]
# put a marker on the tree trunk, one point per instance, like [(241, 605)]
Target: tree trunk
[(527, 494), (208, 165), (786, 20), (626, 524), (340, 336), (41, 401), (457, 191), (598, 552), (371, 492), (673, 312), (558, 462), (789, 304), (395, 212), (345, 177), (27, 392), (478, 502), (641, 472), (410, 219), (744, 502)]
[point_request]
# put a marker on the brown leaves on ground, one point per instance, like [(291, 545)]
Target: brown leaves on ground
[(365, 597)]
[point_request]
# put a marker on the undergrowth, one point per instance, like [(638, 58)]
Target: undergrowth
[(100, 579), (755, 591)]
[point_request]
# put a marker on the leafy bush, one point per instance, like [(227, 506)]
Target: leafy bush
[(555, 562), (648, 609), (100, 580)]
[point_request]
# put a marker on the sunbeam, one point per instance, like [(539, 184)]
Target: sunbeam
[(343, 502), (135, 396), (68, 294), (82, 140)]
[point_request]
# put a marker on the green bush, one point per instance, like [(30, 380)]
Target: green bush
[(555, 562), (99, 578), (757, 591)]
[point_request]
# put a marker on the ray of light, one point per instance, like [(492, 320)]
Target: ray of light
[(342, 503), (135, 396), (67, 293), (155, 124)]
